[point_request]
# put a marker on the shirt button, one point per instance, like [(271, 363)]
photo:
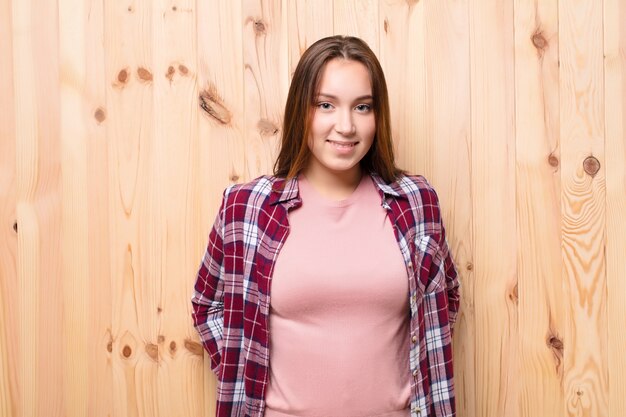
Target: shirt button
[(417, 410), (410, 264), (415, 373), (414, 339)]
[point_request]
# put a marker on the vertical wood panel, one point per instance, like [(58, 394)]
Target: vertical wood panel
[(541, 321), (100, 341), (38, 209), (402, 47), (130, 133), (615, 131), (74, 266), (493, 198), (10, 397), (176, 112), (583, 207), (265, 81)]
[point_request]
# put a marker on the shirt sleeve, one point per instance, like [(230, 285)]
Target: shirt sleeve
[(208, 297), (451, 279)]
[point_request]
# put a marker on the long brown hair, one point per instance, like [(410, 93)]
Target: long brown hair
[(294, 150)]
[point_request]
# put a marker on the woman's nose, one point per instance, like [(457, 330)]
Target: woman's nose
[(344, 124)]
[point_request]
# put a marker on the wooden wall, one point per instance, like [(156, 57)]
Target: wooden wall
[(122, 121)]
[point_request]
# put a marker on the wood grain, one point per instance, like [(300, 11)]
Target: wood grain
[(541, 308), (96, 196), (307, 21), (493, 208), (135, 266), (402, 46), (615, 147), (74, 215), (265, 81), (10, 378), (358, 18), (583, 207), (176, 121)]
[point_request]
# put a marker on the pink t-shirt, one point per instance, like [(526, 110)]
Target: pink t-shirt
[(339, 315)]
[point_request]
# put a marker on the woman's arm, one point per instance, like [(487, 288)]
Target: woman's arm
[(207, 300)]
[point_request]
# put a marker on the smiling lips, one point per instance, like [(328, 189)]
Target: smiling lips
[(342, 145)]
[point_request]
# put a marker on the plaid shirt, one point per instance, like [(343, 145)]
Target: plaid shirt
[(231, 301)]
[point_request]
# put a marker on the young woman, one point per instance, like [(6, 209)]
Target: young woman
[(328, 288)]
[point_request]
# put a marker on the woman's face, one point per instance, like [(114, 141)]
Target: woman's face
[(343, 123)]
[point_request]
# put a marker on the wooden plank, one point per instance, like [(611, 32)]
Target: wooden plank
[(176, 122), (219, 149), (308, 21), (265, 81), (38, 211), (493, 198), (541, 321), (10, 401), (447, 123), (135, 284), (74, 236), (358, 18), (615, 142), (97, 195), (401, 47), (583, 208)]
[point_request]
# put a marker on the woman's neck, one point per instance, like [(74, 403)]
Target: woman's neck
[(335, 186)]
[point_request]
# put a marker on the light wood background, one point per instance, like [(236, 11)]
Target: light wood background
[(122, 121)]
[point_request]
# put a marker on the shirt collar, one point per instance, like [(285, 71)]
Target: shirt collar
[(286, 190)]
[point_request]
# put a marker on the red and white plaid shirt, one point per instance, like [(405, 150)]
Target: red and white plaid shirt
[(232, 293)]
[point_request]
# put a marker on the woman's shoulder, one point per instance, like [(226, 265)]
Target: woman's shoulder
[(413, 185), (257, 190)]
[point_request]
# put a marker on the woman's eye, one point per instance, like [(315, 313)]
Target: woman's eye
[(363, 108), (324, 106)]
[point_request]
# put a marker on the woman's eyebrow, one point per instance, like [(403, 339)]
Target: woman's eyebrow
[(365, 97)]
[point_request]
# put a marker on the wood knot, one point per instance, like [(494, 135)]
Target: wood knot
[(110, 346), (99, 115), (130, 9), (127, 351), (144, 74), (591, 166), (234, 178), (555, 343), (469, 266), (539, 41), (553, 160), (386, 25), (259, 27), (122, 76), (153, 351), (514, 294), (579, 392), (267, 128), (159, 309), (172, 347), (174, 8), (194, 347), (214, 106), (160, 339), (15, 226), (170, 73), (183, 69)]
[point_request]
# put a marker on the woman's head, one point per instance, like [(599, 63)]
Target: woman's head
[(305, 107)]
